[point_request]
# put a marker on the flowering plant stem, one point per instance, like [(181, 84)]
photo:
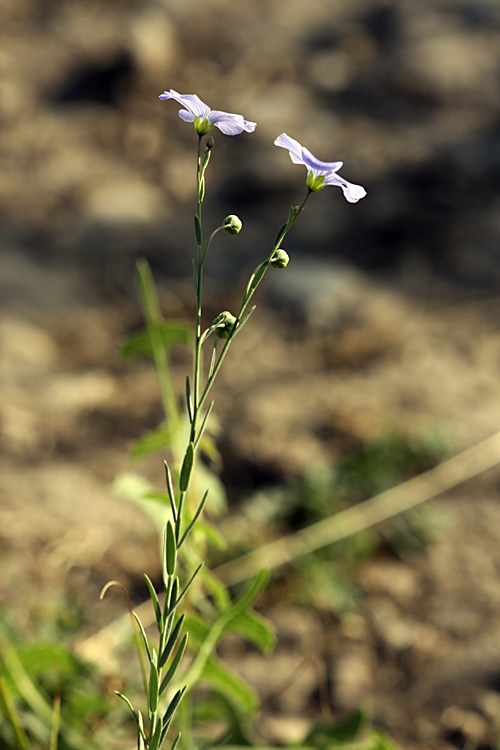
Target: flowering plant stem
[(166, 658)]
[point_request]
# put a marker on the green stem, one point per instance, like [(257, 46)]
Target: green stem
[(246, 299)]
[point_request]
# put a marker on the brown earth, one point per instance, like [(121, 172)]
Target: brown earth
[(95, 172)]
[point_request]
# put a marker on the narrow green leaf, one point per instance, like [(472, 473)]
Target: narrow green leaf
[(170, 549), (168, 333), (281, 231), (187, 466), (259, 273), (175, 663), (244, 319), (195, 518), (169, 646), (156, 603), (154, 740), (153, 687), (254, 628), (170, 490), (188, 399), (195, 278), (141, 734), (197, 230), (173, 595), (213, 360), (154, 440), (188, 585), (230, 684), (144, 636), (126, 700), (203, 425), (201, 190), (175, 742), (173, 705)]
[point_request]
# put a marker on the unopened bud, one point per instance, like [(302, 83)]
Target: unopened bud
[(224, 324), (232, 225), (210, 143), (279, 259)]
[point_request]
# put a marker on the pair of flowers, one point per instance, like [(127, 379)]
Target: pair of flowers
[(319, 173)]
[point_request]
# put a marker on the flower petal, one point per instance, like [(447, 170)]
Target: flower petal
[(317, 166), (293, 147), (186, 116), (352, 193), (230, 124), (190, 101)]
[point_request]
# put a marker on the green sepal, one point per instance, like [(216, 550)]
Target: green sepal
[(175, 663), (169, 646), (153, 694), (156, 603), (187, 466), (197, 230), (143, 634), (170, 549)]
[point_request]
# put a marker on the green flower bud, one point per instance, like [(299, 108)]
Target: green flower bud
[(315, 182), (279, 259), (210, 143), (224, 324), (232, 225)]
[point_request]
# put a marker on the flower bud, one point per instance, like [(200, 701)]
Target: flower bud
[(279, 258), (210, 143), (224, 324), (232, 225)]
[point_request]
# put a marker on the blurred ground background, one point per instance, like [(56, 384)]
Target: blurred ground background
[(383, 331)]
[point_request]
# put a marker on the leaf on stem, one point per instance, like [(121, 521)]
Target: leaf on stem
[(156, 603), (197, 230), (259, 273), (169, 646), (203, 425), (170, 490), (167, 717), (153, 694), (144, 636), (195, 518), (188, 586), (212, 361), (195, 278), (175, 663), (282, 231), (170, 549), (244, 320), (188, 399), (187, 466)]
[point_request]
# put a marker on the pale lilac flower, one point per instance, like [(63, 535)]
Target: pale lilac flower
[(205, 118), (319, 173)]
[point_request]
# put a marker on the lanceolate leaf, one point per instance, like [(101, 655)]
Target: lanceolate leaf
[(173, 667), (187, 466)]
